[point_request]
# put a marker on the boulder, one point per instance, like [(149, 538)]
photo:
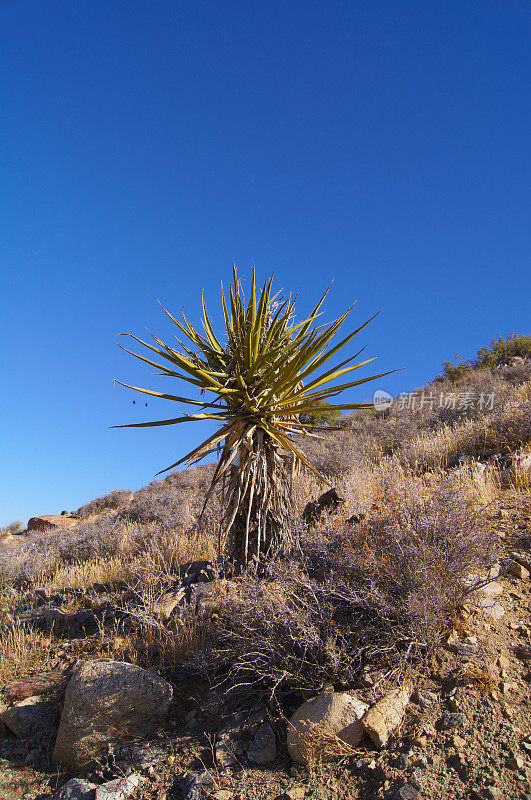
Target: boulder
[(523, 559), (386, 714), (263, 748), (31, 717), (120, 788), (165, 606), (47, 521), (329, 502), (518, 570), (44, 618), (76, 789), (31, 685), (336, 713), (477, 469), (106, 702)]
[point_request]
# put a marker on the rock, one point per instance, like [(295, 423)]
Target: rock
[(296, 793), (222, 794), (164, 607), (386, 714), (263, 748), (137, 755), (355, 519), (47, 521), (76, 789), (337, 713), (425, 698), (525, 561), (477, 469), (401, 762), (407, 792), (197, 786), (494, 610), (329, 502), (463, 649), (108, 701), (200, 572), (517, 762), (518, 570), (44, 618), (225, 751), (119, 789), (453, 720), (30, 717), (31, 685)]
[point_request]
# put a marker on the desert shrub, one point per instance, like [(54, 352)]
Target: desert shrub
[(323, 414), (163, 518), (502, 433), (110, 502), (335, 452), (488, 413), (174, 501), (376, 595), (499, 352), (12, 527)]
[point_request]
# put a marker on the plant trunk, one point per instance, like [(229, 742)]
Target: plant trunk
[(260, 503)]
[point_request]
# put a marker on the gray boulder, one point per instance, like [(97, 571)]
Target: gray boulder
[(120, 788), (263, 748), (31, 717), (107, 702), (76, 789)]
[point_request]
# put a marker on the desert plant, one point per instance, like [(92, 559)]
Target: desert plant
[(498, 353), (263, 375), (323, 414), (13, 527)]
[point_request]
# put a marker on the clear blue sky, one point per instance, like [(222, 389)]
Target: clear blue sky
[(144, 145)]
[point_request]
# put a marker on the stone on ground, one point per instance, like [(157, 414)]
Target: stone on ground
[(336, 713), (518, 570), (76, 789), (31, 717), (263, 748), (108, 701), (120, 788), (30, 686), (47, 521), (386, 714)]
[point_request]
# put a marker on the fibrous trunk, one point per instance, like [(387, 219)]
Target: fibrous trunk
[(258, 502)]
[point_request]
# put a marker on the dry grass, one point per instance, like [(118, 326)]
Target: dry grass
[(481, 678), (21, 651), (319, 745)]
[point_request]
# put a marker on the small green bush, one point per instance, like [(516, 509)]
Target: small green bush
[(498, 353), (324, 414)]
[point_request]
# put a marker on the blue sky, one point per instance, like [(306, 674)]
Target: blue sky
[(144, 145)]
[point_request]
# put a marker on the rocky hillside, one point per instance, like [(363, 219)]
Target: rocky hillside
[(388, 657)]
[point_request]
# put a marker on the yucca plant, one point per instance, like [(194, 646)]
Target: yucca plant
[(261, 377)]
